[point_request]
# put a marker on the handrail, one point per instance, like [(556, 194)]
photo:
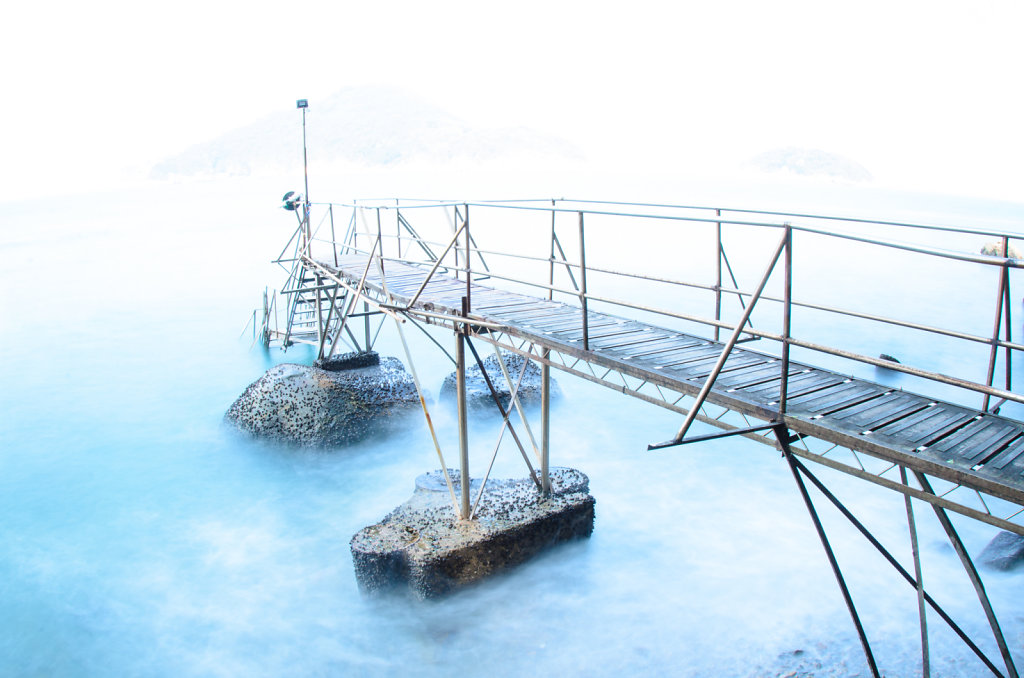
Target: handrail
[(571, 257)]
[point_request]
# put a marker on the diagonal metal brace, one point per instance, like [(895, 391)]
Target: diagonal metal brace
[(713, 436)]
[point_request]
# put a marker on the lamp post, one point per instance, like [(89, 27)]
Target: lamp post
[(304, 104)]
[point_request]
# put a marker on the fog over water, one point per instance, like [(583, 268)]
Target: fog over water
[(141, 536)]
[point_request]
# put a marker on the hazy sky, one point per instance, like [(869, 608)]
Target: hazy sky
[(920, 93)]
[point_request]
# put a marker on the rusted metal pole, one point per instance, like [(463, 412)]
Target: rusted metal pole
[(426, 414), (456, 238), (583, 287), (892, 560), (787, 308), (469, 275), (1000, 303), (782, 434), (1007, 325), (921, 609), (972, 573), (452, 243), (460, 389), (551, 258), (319, 317), (545, 409), (710, 381), (334, 242), (718, 272)]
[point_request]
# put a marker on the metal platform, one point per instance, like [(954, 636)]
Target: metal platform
[(955, 457), (970, 448)]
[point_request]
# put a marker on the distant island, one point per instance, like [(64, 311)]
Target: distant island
[(371, 126), (810, 162)]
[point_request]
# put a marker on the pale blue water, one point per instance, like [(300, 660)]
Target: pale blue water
[(141, 537)]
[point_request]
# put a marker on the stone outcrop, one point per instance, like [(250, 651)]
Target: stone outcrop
[(478, 396), (423, 546), (995, 249), (357, 395), (1004, 552)]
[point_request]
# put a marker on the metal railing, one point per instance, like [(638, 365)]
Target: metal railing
[(636, 259), (528, 252)]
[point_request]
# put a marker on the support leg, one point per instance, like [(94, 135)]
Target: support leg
[(921, 609), (782, 434), (972, 573), (460, 388), (545, 436)]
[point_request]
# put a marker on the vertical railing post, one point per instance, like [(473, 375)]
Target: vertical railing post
[(1007, 306), (355, 226), (469, 265), (1002, 308), (460, 387), (787, 309), (551, 259), (718, 273), (334, 241), (398, 228), (318, 281), (583, 287), (455, 228)]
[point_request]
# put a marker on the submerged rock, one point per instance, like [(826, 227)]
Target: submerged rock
[(1004, 552), (995, 249), (478, 396), (357, 397), (423, 545)]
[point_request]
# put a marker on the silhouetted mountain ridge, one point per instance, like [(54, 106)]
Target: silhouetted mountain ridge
[(371, 126)]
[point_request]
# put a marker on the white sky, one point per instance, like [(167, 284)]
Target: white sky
[(923, 94)]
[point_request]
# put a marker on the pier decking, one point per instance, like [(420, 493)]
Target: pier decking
[(967, 447), (535, 302)]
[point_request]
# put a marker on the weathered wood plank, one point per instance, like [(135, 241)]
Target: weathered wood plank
[(649, 337), (930, 428), (852, 412), (824, 403), (659, 348)]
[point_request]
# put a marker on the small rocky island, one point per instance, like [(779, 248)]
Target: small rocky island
[(423, 546), (334, 402), (478, 395)]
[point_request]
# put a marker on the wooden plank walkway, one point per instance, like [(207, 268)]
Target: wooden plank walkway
[(971, 448)]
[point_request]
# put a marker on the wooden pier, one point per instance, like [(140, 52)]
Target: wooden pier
[(969, 460), (975, 449)]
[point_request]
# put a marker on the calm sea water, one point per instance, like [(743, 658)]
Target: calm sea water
[(139, 536)]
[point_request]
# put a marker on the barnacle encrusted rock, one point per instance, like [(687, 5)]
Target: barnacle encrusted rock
[(478, 396), (358, 395), (423, 545)]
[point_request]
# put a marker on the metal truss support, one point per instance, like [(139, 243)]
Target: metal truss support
[(782, 435), (505, 413), (918, 575), (545, 435), (878, 473), (800, 471), (460, 390), (975, 578)]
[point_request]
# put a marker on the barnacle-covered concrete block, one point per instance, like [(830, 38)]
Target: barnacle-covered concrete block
[(357, 395), (422, 545), (478, 396)]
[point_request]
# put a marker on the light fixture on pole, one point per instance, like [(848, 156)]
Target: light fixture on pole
[(304, 104)]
